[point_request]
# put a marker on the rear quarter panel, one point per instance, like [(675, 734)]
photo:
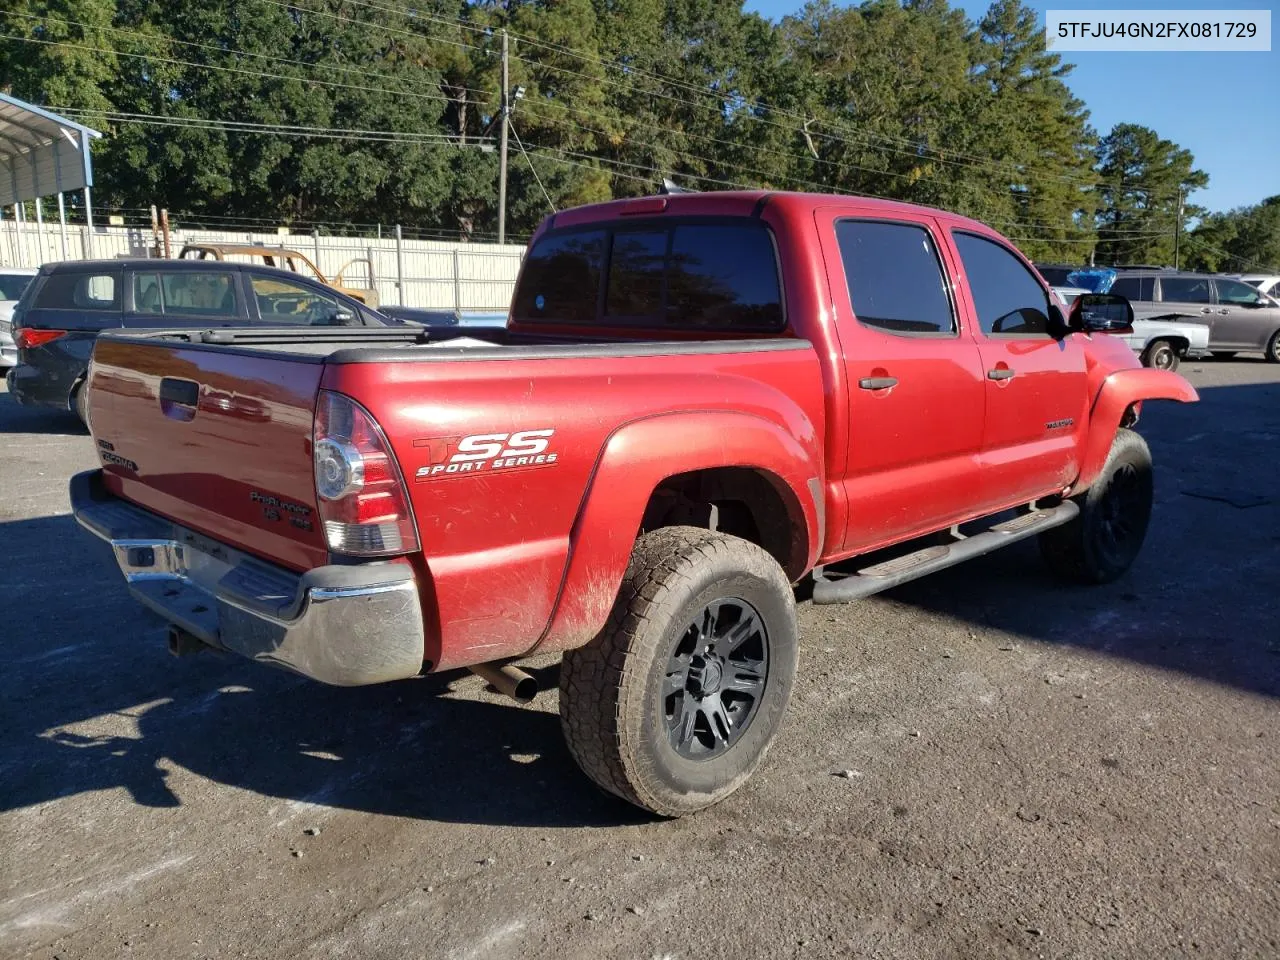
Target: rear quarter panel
[(497, 542)]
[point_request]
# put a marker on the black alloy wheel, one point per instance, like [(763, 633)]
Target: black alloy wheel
[(716, 677)]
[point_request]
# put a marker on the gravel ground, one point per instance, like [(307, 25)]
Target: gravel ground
[(985, 763)]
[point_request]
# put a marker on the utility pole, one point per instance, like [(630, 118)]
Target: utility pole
[(502, 148), (1177, 232)]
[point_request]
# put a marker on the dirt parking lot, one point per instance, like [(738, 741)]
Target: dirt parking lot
[(986, 763)]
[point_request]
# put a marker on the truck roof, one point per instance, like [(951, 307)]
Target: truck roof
[(740, 203)]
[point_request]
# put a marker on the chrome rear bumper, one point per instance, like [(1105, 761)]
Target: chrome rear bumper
[(342, 625)]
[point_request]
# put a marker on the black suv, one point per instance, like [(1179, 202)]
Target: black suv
[(68, 304)]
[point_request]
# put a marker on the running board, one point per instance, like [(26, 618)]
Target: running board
[(899, 570)]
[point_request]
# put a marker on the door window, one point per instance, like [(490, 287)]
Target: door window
[(1008, 298), (282, 301), (895, 278), (1184, 289), (194, 293), (1134, 288), (1233, 291), (147, 297)]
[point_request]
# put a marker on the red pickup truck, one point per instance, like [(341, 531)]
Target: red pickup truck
[(700, 400)]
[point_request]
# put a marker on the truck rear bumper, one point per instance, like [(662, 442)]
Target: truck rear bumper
[(342, 625)]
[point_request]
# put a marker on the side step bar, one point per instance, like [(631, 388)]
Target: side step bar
[(902, 569)]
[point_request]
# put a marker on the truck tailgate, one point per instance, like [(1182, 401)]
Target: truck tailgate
[(219, 441)]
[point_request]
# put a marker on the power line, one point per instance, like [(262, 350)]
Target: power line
[(725, 101), (532, 168), (236, 70), (238, 126)]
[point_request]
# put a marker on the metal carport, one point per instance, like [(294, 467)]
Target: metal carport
[(42, 154)]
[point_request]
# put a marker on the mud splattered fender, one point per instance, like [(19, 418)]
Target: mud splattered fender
[(1120, 391)]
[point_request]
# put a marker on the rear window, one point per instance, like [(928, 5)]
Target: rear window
[(80, 291), (674, 275)]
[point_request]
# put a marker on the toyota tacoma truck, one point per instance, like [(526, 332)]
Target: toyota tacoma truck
[(700, 401)]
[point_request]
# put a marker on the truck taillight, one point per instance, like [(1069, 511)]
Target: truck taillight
[(363, 502)]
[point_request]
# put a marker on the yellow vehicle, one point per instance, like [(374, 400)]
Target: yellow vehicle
[(285, 259)]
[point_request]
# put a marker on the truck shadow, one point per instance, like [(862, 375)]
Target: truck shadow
[(1201, 598), (91, 700)]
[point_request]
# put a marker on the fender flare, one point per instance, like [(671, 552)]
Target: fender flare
[(1120, 391), (636, 458)]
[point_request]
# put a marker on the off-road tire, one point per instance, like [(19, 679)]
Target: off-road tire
[(1160, 355), (611, 691), (1082, 551), (1272, 353)]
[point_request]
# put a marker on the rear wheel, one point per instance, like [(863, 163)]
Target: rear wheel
[(1160, 355), (675, 703), (1273, 348), (80, 403), (1102, 542)]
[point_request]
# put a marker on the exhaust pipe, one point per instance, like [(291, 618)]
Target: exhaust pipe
[(508, 680), (184, 644)]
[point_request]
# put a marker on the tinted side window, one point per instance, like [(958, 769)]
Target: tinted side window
[(560, 281), (80, 291), (1008, 297), (894, 276), (1009, 300), (1184, 289), (723, 276), (1233, 291), (1134, 288)]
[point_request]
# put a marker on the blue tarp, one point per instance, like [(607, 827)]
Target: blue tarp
[(1093, 279)]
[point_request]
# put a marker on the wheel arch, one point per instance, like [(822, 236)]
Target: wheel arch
[(1118, 403), (668, 470)]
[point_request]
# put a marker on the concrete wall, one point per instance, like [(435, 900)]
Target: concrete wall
[(415, 273)]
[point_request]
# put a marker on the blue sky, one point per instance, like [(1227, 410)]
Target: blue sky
[(1223, 107)]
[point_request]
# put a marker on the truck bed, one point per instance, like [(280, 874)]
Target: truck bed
[(377, 345), (214, 431)]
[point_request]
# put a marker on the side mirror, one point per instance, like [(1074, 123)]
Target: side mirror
[(1101, 313)]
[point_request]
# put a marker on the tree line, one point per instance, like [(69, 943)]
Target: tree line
[(348, 112)]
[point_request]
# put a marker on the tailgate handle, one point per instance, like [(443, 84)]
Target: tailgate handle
[(178, 398), (174, 390)]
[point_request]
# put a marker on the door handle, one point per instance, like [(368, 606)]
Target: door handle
[(877, 383), (999, 373), (1206, 310), (1224, 311)]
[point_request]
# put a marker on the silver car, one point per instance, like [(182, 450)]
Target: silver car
[(1160, 340), (1239, 317), (13, 280)]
